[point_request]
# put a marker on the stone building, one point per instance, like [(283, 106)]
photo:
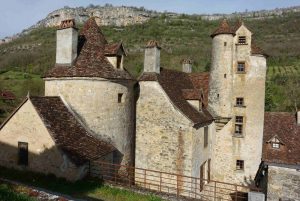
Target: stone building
[(174, 130), (236, 100), (95, 95), (279, 172)]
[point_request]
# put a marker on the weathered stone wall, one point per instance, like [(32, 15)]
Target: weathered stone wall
[(283, 184), (44, 156), (152, 60), (66, 46), (220, 84), (165, 139), (230, 147), (95, 101)]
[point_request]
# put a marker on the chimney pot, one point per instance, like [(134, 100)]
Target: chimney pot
[(66, 43), (152, 57), (187, 65)]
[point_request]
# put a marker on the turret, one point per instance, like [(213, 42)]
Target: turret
[(152, 57), (220, 88), (66, 43)]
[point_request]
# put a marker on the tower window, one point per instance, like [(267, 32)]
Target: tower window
[(242, 40), (120, 98), (119, 61), (205, 136), (239, 165), (241, 67), (23, 153), (239, 102), (239, 120)]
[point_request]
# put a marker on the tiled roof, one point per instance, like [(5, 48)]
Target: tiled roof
[(176, 84), (69, 135), (224, 28), (201, 81), (112, 49), (284, 126), (257, 50), (91, 60)]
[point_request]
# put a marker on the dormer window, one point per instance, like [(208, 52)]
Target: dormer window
[(242, 40), (119, 61), (275, 143)]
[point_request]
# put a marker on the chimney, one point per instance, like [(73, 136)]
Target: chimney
[(187, 65), (66, 43), (298, 118), (152, 57)]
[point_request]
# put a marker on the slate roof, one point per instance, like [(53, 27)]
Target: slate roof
[(284, 126), (91, 60), (176, 84), (69, 135)]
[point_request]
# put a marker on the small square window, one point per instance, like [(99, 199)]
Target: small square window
[(239, 119), (120, 98), (242, 40), (240, 102), (240, 165), (225, 43), (275, 145), (238, 129), (241, 67)]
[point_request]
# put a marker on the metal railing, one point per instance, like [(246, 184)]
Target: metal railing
[(168, 183)]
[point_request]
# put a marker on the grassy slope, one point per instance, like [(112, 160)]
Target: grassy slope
[(86, 189), (185, 36)]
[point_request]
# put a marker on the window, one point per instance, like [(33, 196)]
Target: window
[(119, 61), (239, 165), (240, 102), (120, 98), (275, 143), (23, 153), (205, 136), (241, 67), (239, 120), (242, 40), (225, 43)]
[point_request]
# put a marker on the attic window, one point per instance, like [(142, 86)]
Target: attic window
[(242, 40), (275, 143)]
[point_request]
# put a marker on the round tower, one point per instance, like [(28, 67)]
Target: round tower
[(220, 85)]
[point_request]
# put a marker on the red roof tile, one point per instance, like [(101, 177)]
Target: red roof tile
[(176, 84), (91, 60), (284, 126), (69, 135), (257, 50), (201, 81), (224, 28)]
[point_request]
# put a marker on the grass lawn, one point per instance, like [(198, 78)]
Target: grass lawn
[(85, 189), (8, 194)]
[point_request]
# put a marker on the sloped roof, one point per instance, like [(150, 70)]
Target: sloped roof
[(201, 81), (223, 28), (284, 126), (175, 84), (69, 135), (91, 60), (257, 50), (112, 49)]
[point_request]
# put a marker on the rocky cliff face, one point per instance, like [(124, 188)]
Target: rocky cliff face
[(105, 15)]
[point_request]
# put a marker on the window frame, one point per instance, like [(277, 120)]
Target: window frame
[(240, 69), (240, 165), (120, 97), (239, 126), (242, 40), (240, 101)]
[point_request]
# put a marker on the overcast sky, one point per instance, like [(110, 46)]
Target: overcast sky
[(16, 15)]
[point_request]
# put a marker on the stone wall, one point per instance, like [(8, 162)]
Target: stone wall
[(44, 156), (250, 85), (283, 184), (165, 139), (95, 102)]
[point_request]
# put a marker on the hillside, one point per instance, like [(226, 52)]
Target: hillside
[(180, 37)]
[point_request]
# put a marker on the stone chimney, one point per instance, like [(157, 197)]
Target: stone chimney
[(298, 118), (66, 43), (152, 57), (187, 65)]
